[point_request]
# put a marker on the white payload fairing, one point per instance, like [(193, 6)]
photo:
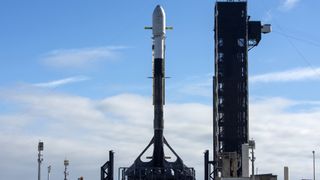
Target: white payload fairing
[(159, 32)]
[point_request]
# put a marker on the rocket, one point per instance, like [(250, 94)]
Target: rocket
[(158, 167), (158, 62), (158, 32)]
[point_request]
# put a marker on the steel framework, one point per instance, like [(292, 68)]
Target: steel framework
[(234, 36)]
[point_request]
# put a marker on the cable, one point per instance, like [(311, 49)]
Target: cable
[(297, 50), (299, 39), (294, 46)]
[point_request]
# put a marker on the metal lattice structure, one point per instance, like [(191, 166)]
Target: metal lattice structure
[(234, 36), (231, 76), (231, 81)]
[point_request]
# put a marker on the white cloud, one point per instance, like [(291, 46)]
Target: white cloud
[(287, 76), (60, 82), (284, 130), (79, 58), (289, 4), (83, 129)]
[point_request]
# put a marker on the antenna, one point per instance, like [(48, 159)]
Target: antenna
[(252, 146), (49, 171)]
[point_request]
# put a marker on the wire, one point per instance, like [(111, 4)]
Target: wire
[(299, 39), (293, 45), (297, 49)]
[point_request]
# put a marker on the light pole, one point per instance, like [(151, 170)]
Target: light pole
[(49, 170), (66, 164), (314, 165), (252, 146), (40, 159)]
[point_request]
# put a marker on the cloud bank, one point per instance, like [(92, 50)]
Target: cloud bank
[(83, 130), (298, 74)]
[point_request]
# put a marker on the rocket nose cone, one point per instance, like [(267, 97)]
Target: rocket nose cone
[(158, 21), (158, 11)]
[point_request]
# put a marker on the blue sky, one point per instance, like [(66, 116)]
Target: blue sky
[(75, 74)]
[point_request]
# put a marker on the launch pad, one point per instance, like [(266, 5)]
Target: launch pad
[(158, 168), (235, 35)]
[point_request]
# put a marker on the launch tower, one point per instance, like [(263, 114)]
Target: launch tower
[(235, 34)]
